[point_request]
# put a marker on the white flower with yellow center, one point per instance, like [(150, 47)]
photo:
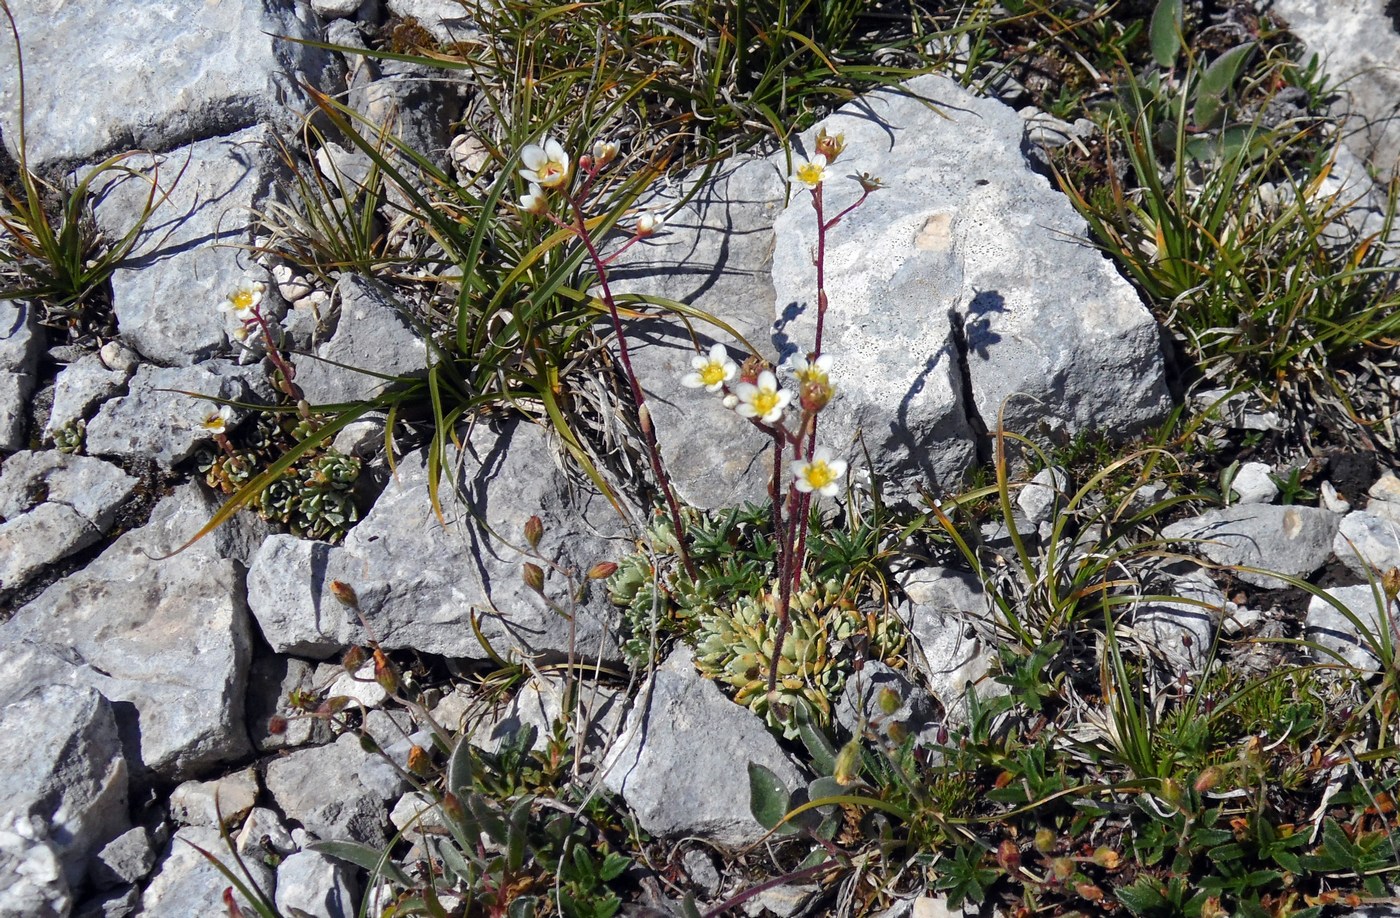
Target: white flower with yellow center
[(812, 172), (711, 372), (811, 371), (820, 474), (546, 166), (244, 300), (763, 400), (216, 420), (534, 201), (649, 222)]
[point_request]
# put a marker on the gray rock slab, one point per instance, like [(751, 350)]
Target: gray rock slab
[(270, 680), (1253, 484), (418, 105), (32, 884), (595, 717), (125, 860), (968, 262), (419, 580), (862, 708), (67, 771), (166, 639), (1037, 499), (167, 294), (674, 774), (87, 382), (317, 885), (1293, 541), (447, 20), (154, 74), (157, 420), (1359, 45), (186, 885), (19, 356), (1182, 632), (716, 254), (1345, 632), (204, 803), (337, 792), (368, 331), (949, 617), (1368, 543), (53, 505)]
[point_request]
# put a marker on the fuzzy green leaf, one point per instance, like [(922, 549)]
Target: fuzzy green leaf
[(1216, 83), (1165, 32), (374, 860), (768, 796)]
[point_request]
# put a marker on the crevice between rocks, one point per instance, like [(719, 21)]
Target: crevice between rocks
[(981, 439)]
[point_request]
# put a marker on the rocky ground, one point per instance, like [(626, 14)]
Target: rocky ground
[(967, 295)]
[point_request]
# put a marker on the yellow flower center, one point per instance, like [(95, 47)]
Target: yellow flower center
[(552, 174), (765, 401), (712, 374), (214, 422), (818, 475), (242, 300), (810, 173)]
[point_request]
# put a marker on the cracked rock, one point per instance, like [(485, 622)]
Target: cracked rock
[(1293, 541)]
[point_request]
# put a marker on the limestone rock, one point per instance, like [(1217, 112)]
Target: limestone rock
[(1183, 632), (447, 20), (167, 641), (1368, 542), (125, 860), (187, 262), (31, 878), (336, 792), (1253, 484), (69, 772), (317, 885), (716, 254), (88, 382), (20, 343), (186, 885), (272, 678), (672, 772), (1335, 630), (1359, 45), (949, 273), (53, 505), (369, 332), (861, 710), (1294, 541), (949, 618), (150, 77), (156, 420), (202, 803), (418, 581)]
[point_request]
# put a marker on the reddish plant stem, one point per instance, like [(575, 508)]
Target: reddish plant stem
[(643, 413)]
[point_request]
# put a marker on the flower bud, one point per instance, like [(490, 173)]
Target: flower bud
[(602, 570), (1009, 856), (813, 395), (750, 368), (345, 594), (869, 182), (533, 575), (897, 732), (452, 808), (847, 770), (277, 725), (385, 673), (1062, 868), (1170, 791), (829, 146), (1089, 892), (1044, 841), (1208, 779), (354, 658), (534, 531), (419, 762), (889, 701), (1390, 583), (649, 222), (1106, 858)]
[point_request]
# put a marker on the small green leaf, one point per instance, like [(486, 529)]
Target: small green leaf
[(689, 908), (1215, 84), (459, 768), (819, 746), (768, 796), (371, 859), (1165, 32)]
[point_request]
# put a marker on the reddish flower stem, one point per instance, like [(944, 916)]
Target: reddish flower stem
[(644, 414)]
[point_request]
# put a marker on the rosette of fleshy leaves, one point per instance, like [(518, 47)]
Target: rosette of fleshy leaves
[(315, 501), (735, 646)]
